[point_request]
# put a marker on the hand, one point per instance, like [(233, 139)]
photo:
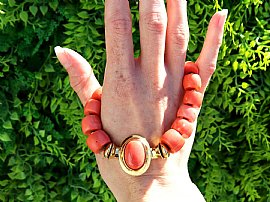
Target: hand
[(141, 96)]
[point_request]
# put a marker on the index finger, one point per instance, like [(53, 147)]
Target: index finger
[(209, 54)]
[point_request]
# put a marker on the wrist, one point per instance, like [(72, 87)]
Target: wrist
[(164, 181), (176, 189)]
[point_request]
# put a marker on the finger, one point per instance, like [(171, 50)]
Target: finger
[(118, 33), (209, 54), (153, 25), (177, 35), (81, 76)]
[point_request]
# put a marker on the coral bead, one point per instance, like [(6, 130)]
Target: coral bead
[(187, 112), (91, 123), (92, 107), (97, 140), (192, 82), (183, 126), (172, 140), (97, 94), (193, 98), (134, 155), (191, 67)]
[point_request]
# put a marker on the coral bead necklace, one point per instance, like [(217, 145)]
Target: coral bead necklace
[(135, 153)]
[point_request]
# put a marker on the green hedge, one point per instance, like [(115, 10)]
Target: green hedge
[(43, 156)]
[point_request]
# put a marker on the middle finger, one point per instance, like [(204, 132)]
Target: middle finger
[(153, 25), (177, 35)]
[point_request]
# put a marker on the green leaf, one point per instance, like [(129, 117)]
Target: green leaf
[(97, 183), (49, 68), (14, 116), (36, 124), (24, 16), (37, 160), (33, 9), (82, 176), (17, 102), (28, 192), (43, 9), (4, 137), (27, 132), (38, 76), (54, 105), (36, 141), (12, 161), (49, 138), (4, 183), (11, 3), (83, 15), (235, 65), (6, 69), (7, 125), (49, 160), (53, 194), (44, 102), (74, 195), (245, 85), (20, 176), (70, 26), (54, 4)]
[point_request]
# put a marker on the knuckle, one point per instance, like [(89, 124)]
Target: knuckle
[(155, 22), (179, 36), (120, 25), (211, 68), (78, 82), (218, 41)]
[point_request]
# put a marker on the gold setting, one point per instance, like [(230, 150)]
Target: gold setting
[(148, 156), (112, 151), (160, 152)]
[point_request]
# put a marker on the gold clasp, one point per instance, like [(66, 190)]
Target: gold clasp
[(160, 152), (112, 151)]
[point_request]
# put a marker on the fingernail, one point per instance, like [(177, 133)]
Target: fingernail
[(223, 16), (58, 49), (62, 56)]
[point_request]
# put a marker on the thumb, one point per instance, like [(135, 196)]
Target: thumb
[(209, 54), (81, 75)]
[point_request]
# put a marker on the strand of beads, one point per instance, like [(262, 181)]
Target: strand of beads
[(135, 153), (183, 126), (97, 139)]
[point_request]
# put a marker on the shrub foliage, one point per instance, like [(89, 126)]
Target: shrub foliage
[(43, 156)]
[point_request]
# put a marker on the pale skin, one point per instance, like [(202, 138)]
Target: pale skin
[(142, 95)]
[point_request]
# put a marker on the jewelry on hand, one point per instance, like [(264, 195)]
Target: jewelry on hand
[(135, 153)]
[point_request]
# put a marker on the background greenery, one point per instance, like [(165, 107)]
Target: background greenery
[(43, 156)]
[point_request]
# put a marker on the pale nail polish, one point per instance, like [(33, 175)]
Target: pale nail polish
[(223, 17), (58, 49)]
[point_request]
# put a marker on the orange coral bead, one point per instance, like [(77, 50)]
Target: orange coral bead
[(97, 94), (183, 126), (97, 141), (192, 82), (193, 98), (191, 67), (172, 140), (91, 123), (134, 155), (92, 107), (187, 112)]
